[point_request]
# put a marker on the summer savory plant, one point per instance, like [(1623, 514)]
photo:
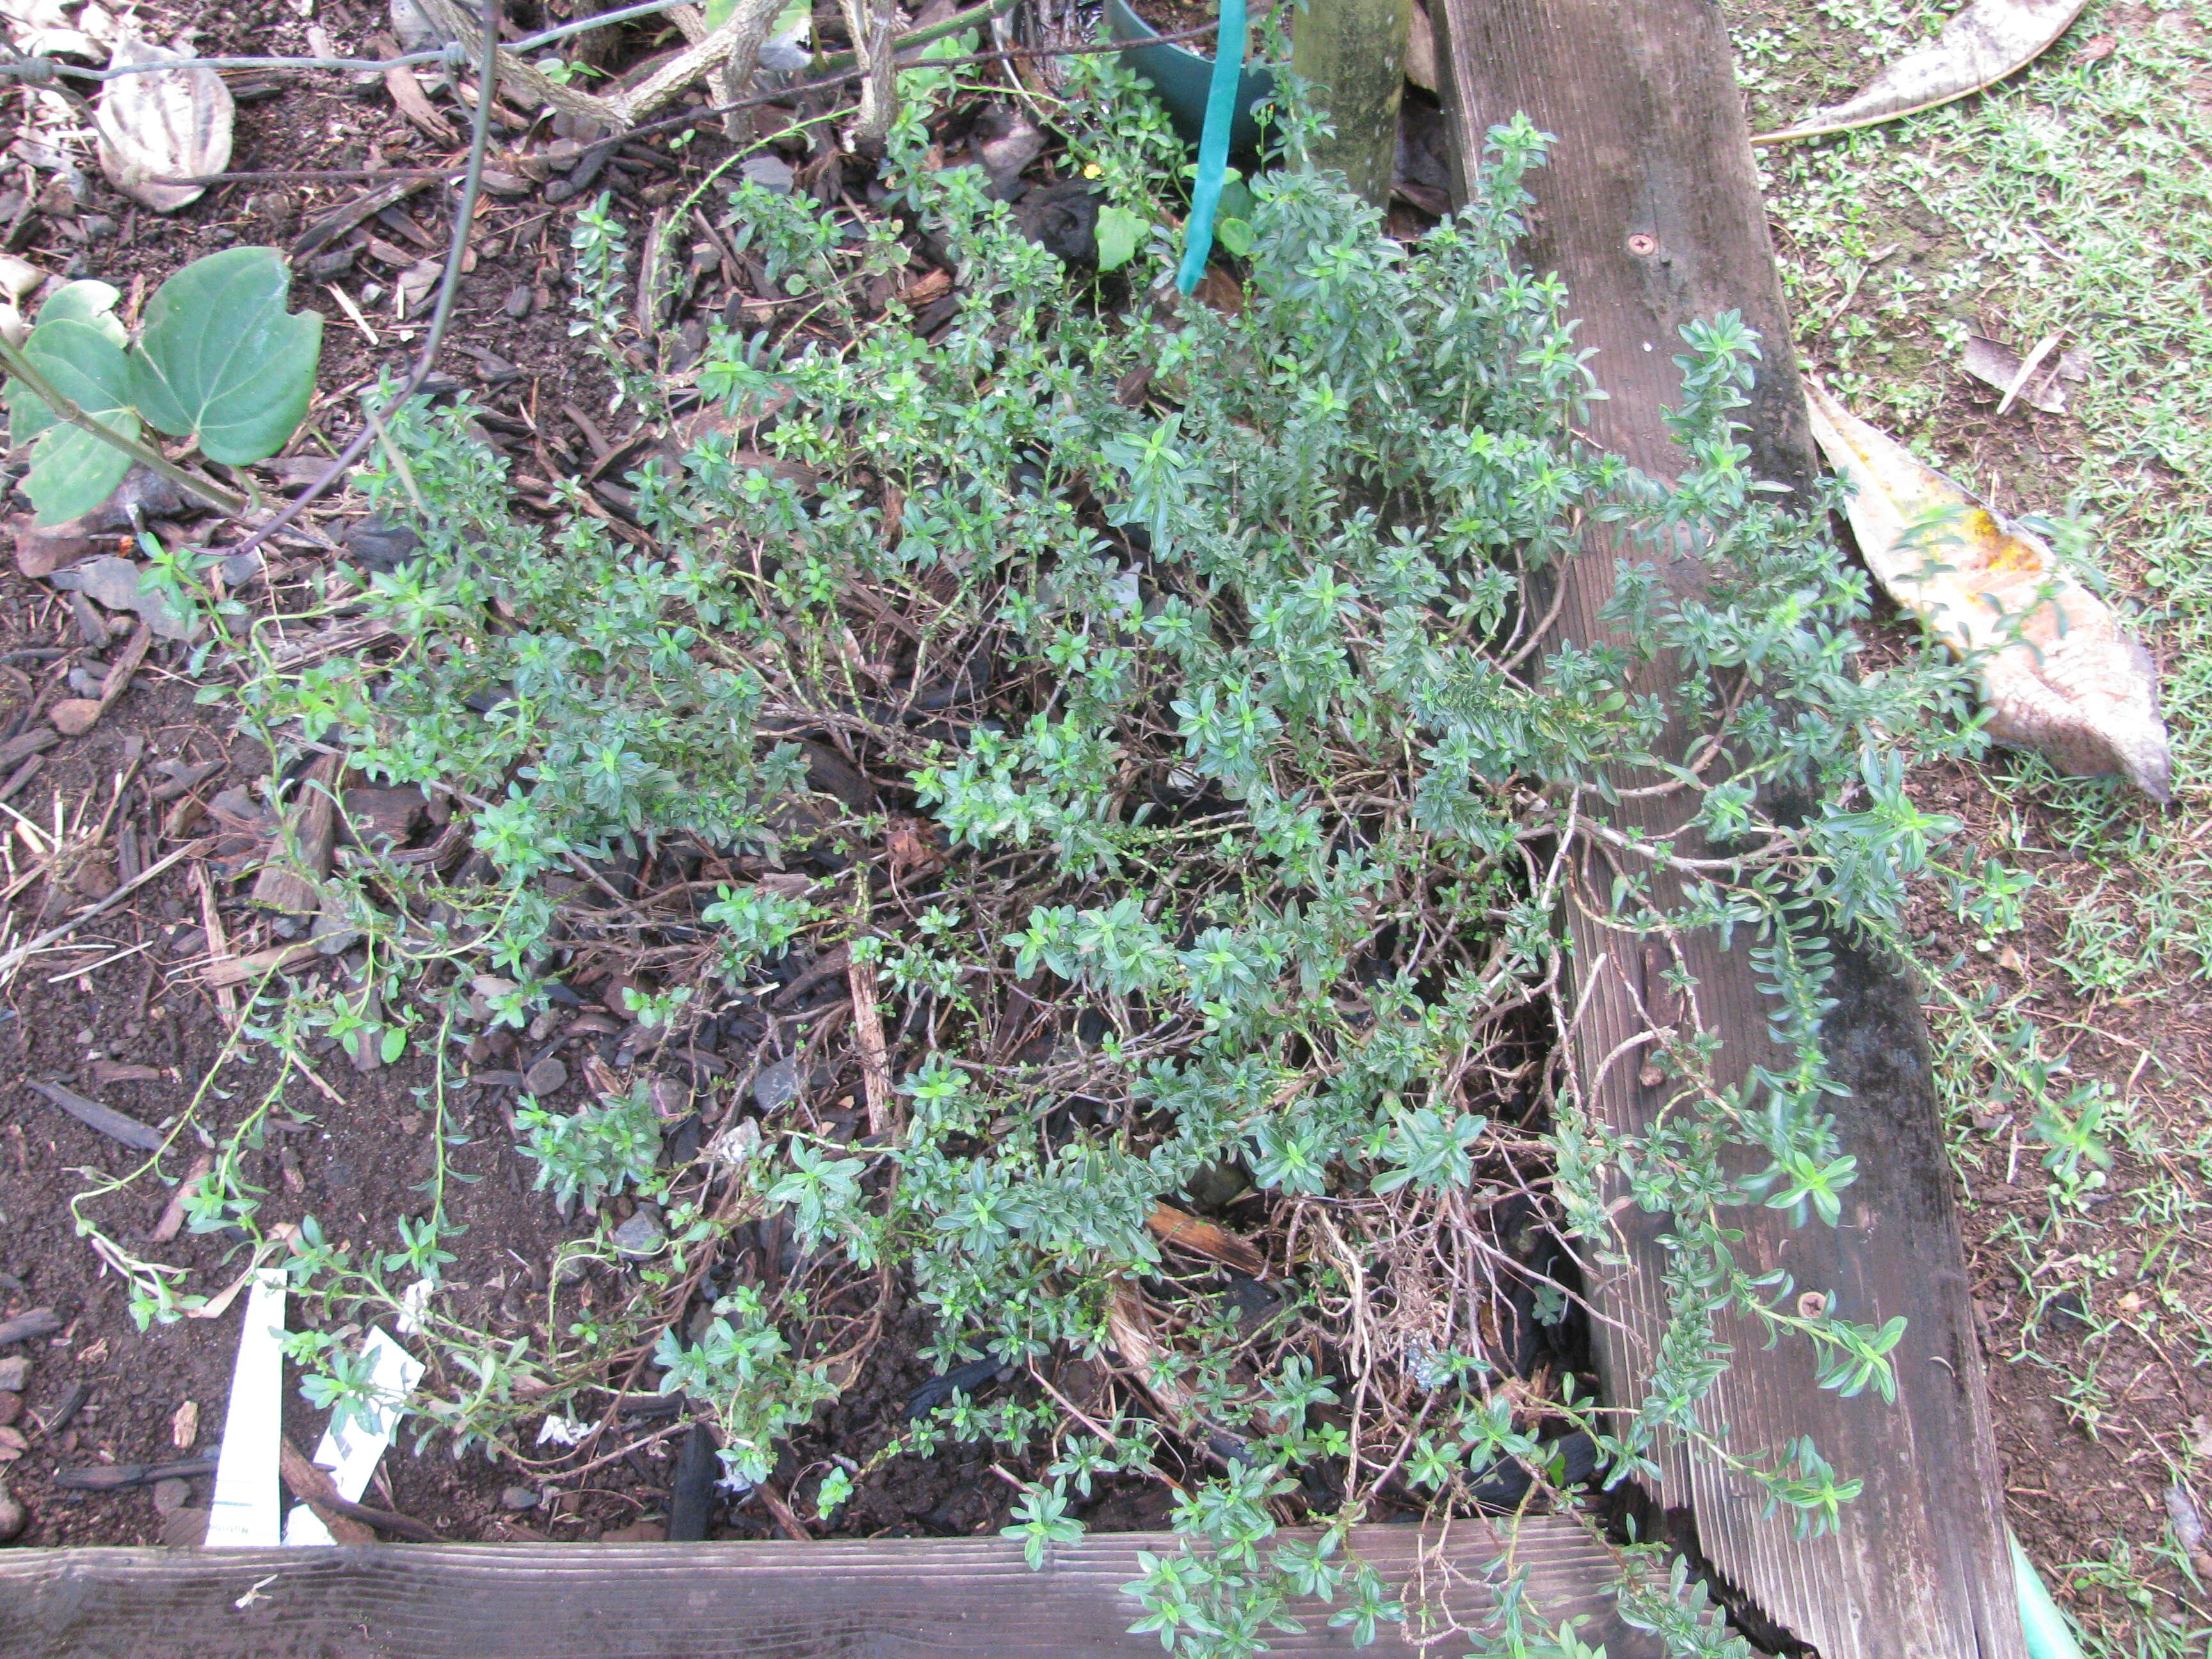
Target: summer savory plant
[(1198, 645)]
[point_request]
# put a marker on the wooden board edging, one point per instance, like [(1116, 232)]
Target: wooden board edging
[(888, 1599), (1650, 212)]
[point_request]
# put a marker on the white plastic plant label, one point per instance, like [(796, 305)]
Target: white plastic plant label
[(243, 1514)]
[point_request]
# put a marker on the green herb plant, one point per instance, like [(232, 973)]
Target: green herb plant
[(1216, 792)]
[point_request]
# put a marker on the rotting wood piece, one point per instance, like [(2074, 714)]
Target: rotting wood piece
[(1650, 212), (891, 1599)]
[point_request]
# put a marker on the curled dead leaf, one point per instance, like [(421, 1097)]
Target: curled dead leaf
[(164, 124), (2059, 673), (1980, 48), (2030, 380)]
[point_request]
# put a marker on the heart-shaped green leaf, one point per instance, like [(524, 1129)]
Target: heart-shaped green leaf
[(72, 471), (222, 362)]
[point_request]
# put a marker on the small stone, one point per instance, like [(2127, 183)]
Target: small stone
[(519, 1498), (518, 303), (777, 1085), (15, 1372), (638, 1532), (771, 173), (113, 580), (545, 1077), (642, 1237), (240, 570), (75, 716), (171, 1495), (11, 1516), (11, 1407), (84, 683), (381, 547), (332, 937), (42, 552), (672, 1099)]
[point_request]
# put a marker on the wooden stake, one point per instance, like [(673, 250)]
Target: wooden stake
[(1354, 52)]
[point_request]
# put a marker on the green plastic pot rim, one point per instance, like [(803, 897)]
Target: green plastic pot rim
[(1116, 11)]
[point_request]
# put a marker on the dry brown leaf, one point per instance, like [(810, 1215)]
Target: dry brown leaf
[(2000, 367), (166, 123), (42, 30), (2059, 673), (1986, 42)]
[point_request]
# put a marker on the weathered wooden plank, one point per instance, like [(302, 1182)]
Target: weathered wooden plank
[(892, 1599), (1650, 212)]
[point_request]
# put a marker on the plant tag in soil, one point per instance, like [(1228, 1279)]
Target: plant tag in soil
[(243, 1514)]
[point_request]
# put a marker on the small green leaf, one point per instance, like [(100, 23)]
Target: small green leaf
[(1120, 232), (72, 471), (220, 361), (1234, 235), (393, 1044)]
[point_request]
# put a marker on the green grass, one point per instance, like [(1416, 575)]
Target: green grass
[(2075, 200)]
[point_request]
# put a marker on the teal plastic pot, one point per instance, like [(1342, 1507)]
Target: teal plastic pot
[(1179, 80)]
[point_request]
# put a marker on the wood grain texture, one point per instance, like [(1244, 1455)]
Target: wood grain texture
[(1650, 211), (892, 1599)]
